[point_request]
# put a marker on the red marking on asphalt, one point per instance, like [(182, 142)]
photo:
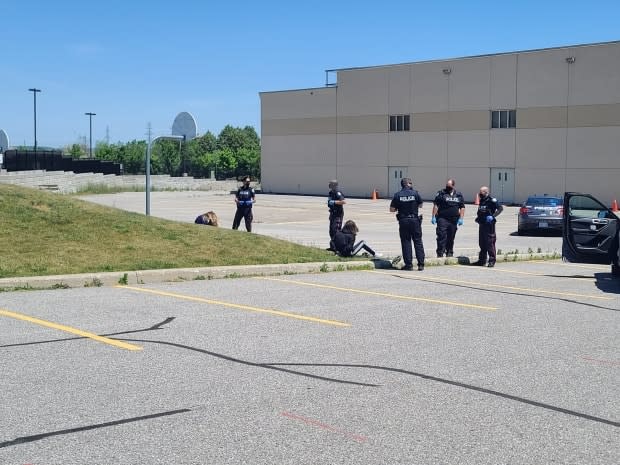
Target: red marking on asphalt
[(309, 421), (607, 362)]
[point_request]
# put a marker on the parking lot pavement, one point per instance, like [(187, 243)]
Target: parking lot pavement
[(304, 219), (457, 365)]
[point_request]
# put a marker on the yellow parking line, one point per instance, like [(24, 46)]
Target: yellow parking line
[(575, 265), (296, 316), (381, 294), (69, 329), (499, 286), (528, 273)]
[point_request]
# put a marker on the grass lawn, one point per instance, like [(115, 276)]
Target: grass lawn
[(45, 233)]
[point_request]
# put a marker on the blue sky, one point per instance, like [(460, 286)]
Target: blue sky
[(134, 62)]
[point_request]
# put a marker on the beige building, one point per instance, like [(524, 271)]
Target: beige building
[(539, 121)]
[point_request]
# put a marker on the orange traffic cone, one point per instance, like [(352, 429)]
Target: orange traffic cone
[(374, 194), (614, 206), (477, 201)]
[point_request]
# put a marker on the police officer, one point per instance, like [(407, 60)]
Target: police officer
[(488, 210), (244, 198), (335, 202), (448, 211), (406, 203)]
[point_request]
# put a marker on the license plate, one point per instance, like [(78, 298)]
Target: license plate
[(543, 224)]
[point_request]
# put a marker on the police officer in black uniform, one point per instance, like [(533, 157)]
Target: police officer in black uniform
[(244, 198), (488, 209), (448, 211), (406, 203), (335, 202)]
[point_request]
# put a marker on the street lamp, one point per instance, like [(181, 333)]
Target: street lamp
[(90, 120), (34, 91)]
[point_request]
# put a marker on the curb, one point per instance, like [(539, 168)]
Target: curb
[(114, 278)]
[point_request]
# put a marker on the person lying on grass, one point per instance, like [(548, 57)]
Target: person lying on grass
[(208, 219)]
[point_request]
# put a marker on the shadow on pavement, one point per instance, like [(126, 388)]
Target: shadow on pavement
[(607, 282)]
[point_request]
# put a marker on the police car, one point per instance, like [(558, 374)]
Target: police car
[(591, 232), (540, 213)]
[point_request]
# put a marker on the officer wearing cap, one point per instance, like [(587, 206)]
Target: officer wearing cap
[(406, 203), (488, 209), (335, 202), (448, 211), (244, 198)]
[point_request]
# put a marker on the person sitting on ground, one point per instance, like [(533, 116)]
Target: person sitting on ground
[(208, 219), (344, 241)]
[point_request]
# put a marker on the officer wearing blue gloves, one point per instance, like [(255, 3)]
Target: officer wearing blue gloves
[(244, 198), (448, 211), (335, 202), (488, 210), (407, 202)]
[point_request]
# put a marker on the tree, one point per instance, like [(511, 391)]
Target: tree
[(248, 162), (133, 156), (76, 151), (207, 142), (166, 157), (251, 139), (245, 147), (225, 163), (195, 149), (231, 138), (109, 152), (235, 152), (204, 164)]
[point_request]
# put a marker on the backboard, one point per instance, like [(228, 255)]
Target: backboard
[(4, 141), (184, 125)]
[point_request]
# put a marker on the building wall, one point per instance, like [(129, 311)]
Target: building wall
[(567, 135), (298, 140)]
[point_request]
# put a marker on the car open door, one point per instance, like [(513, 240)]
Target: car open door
[(590, 233)]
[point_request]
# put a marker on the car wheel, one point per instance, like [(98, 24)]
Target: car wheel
[(520, 232)]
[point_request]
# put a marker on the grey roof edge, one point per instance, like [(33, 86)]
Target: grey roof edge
[(296, 90), (441, 60)]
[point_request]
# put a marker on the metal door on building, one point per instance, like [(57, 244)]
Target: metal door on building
[(396, 173), (503, 184)]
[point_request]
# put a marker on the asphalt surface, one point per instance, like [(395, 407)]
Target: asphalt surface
[(453, 365)]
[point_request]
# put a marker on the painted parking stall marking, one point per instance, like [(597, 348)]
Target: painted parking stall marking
[(69, 329), (248, 308), (381, 294), (496, 286)]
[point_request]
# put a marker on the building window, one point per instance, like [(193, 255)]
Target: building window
[(501, 119), (399, 123)]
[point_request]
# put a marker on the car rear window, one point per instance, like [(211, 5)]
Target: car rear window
[(544, 201)]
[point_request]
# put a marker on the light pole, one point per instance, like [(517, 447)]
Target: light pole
[(90, 120), (34, 91)]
